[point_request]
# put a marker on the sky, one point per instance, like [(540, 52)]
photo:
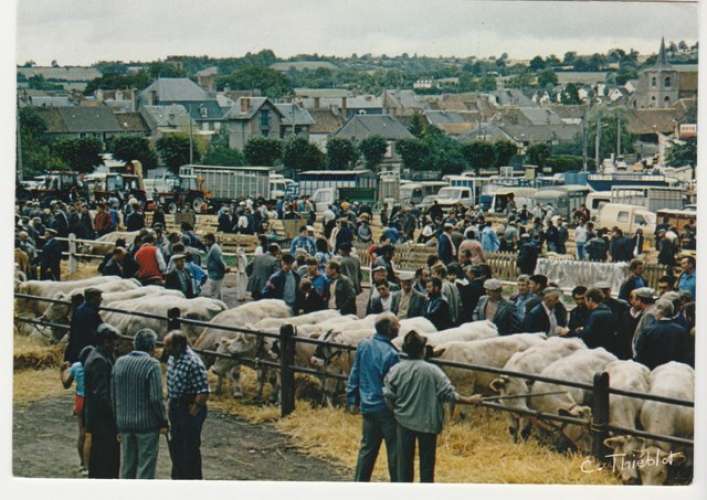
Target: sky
[(81, 32)]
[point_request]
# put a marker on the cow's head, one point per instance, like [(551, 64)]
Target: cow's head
[(518, 425), (655, 464), (625, 450), (229, 347), (578, 435), (58, 312)]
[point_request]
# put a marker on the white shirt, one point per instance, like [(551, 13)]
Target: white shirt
[(553, 320), (580, 234), (385, 303)]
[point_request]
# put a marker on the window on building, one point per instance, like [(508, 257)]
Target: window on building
[(265, 119), (653, 99), (204, 112), (653, 81), (666, 99), (667, 81)]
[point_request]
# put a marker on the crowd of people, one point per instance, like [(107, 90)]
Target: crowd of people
[(323, 271)]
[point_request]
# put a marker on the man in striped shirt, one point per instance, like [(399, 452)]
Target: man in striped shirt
[(136, 387), (188, 391)]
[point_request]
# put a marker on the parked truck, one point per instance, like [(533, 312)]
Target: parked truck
[(328, 186), (220, 185)]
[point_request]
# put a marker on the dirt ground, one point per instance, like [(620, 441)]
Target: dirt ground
[(44, 438)]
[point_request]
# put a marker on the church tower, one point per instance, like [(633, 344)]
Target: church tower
[(660, 82)]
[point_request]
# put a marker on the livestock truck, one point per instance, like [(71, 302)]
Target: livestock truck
[(222, 185), (329, 186)]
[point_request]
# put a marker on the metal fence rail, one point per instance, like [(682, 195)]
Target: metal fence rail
[(599, 425)]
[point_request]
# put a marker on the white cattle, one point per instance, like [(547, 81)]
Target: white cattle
[(625, 412), (580, 366), (249, 346), (243, 316), (109, 239), (473, 330), (199, 309), (673, 380), (48, 289), (303, 319), (59, 312), (531, 361), (492, 352)]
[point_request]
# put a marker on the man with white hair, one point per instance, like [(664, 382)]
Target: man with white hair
[(136, 386), (664, 341), (541, 318), (496, 309), (375, 356)]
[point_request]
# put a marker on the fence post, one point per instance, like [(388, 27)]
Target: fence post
[(600, 415), (173, 319), (73, 265), (287, 375)]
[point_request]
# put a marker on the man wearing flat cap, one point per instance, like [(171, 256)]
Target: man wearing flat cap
[(493, 307), (412, 302), (180, 278), (379, 276), (50, 256)]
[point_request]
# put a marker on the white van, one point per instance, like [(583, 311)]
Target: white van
[(628, 218), (595, 200)]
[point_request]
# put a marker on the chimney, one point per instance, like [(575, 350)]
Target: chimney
[(245, 104), (343, 107), (316, 102)]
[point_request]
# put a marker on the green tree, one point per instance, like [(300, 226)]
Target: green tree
[(373, 149), (223, 155), (133, 148), (607, 140), (298, 154), (547, 78), (570, 95), (417, 124), (81, 154), (479, 154), (341, 154), (270, 82), (262, 151), (174, 151), (36, 157), (537, 63), (161, 69), (683, 154), (38, 82), (445, 154), (537, 154), (414, 153), (569, 59), (487, 83), (503, 152)]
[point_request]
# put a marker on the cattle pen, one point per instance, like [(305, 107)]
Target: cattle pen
[(598, 426)]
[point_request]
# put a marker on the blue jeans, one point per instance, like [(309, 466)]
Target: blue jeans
[(581, 253), (139, 453)]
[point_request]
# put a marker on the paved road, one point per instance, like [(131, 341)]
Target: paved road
[(44, 445)]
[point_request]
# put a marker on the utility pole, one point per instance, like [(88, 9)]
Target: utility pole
[(584, 141), (19, 173), (191, 142), (618, 136), (597, 141)]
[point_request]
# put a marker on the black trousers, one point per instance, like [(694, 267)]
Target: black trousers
[(427, 444), (104, 460), (377, 427), (185, 444)]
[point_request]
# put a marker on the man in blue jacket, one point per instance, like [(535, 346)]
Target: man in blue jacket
[(445, 245), (375, 356), (284, 284), (598, 330), (664, 341)]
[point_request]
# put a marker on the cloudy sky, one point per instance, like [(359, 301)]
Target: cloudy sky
[(85, 31)]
